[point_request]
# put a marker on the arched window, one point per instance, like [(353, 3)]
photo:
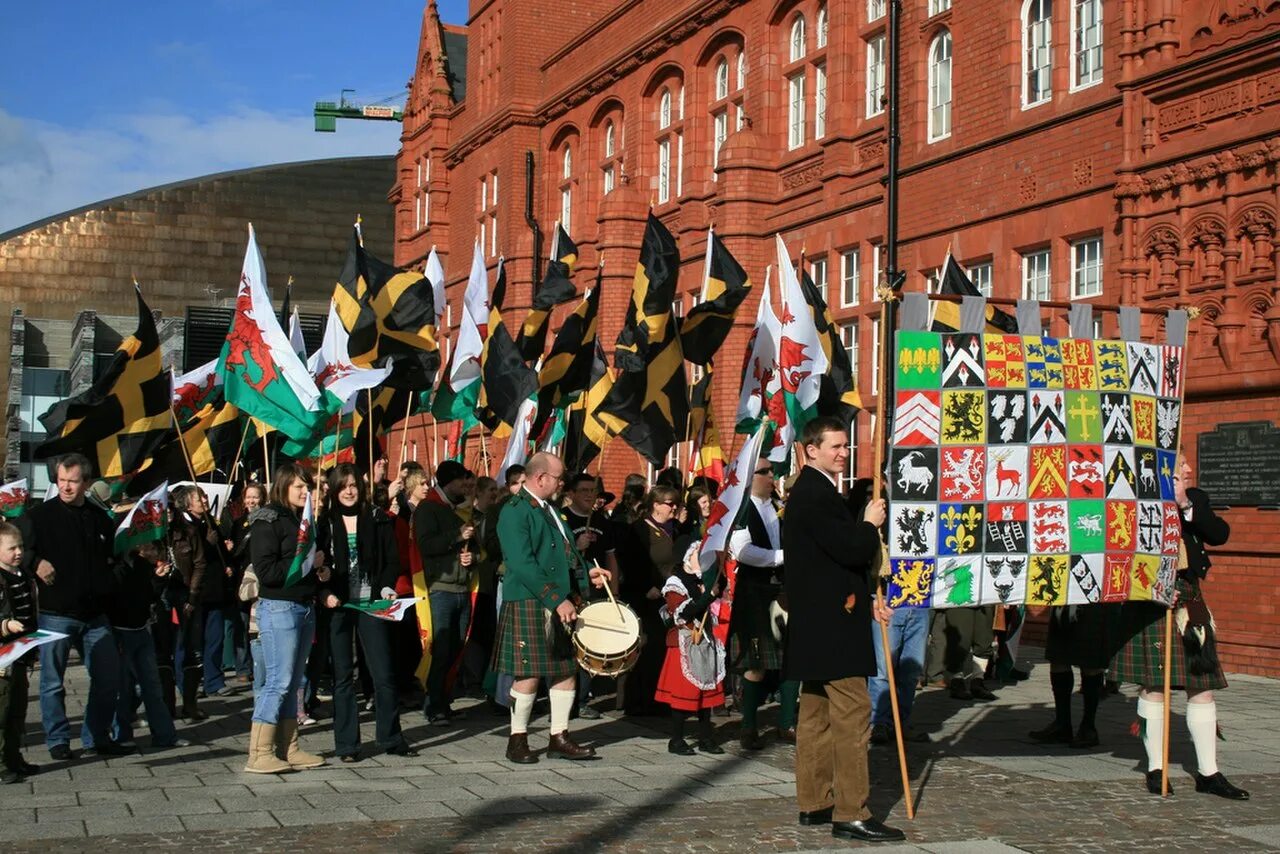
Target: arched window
[(1037, 52), (797, 38), (611, 163), (722, 79), (1086, 42), (566, 189), (567, 161), (940, 86), (670, 143), (610, 139), (742, 69), (822, 26)]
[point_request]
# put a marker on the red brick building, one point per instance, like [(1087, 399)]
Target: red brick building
[(1113, 151)]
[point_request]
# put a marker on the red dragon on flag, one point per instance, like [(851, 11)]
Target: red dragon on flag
[(246, 345)]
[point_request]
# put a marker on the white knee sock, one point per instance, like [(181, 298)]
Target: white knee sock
[(561, 706), (1152, 714), (521, 710), (979, 667), (1202, 722)]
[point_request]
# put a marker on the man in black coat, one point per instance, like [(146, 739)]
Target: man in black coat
[(829, 591)]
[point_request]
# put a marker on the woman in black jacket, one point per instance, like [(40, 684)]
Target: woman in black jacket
[(286, 624), (362, 544)]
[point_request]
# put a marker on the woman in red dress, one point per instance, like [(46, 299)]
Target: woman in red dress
[(692, 678)]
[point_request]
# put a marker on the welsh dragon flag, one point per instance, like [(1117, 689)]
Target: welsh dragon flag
[(801, 359), (146, 522), (261, 373), (728, 504), (761, 400), (460, 386), (13, 498), (305, 558)]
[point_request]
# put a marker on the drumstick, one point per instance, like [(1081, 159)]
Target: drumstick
[(609, 590), (602, 626)]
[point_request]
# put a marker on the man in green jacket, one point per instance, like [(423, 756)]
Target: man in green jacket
[(540, 556)]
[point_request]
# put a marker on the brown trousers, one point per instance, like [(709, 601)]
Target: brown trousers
[(831, 748)]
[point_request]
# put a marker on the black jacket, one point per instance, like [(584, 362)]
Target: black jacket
[(375, 544), (435, 532), (137, 591), (1204, 528), (273, 542), (79, 542), (829, 556)]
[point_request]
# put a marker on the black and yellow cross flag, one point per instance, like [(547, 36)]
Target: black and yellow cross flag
[(211, 438), (124, 416), (946, 315), (567, 370), (505, 380), (585, 434), (649, 402), (388, 407), (389, 314), (708, 323), (556, 288), (838, 394)]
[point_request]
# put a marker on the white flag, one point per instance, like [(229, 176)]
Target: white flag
[(727, 505), (333, 369)]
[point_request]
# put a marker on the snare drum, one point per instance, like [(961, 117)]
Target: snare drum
[(606, 638)]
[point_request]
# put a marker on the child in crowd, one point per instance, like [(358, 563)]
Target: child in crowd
[(17, 617), (692, 678)]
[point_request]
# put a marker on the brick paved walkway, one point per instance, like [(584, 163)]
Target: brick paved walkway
[(981, 787)]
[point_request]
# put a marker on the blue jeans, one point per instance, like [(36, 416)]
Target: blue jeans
[(139, 675), (214, 626), (450, 613), (285, 630), (259, 665), (908, 635), (97, 649)]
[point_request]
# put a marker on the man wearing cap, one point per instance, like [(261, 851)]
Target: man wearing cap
[(541, 555), (444, 535)]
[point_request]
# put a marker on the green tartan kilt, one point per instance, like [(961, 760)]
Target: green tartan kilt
[(1141, 659), (522, 650), (751, 642)]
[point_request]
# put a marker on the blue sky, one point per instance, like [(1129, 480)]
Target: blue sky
[(101, 99)]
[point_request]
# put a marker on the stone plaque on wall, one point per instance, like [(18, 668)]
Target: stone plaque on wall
[(1240, 464)]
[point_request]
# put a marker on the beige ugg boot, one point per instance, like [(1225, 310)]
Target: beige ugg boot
[(262, 751), (287, 747)]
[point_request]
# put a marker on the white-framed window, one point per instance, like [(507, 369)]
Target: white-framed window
[(931, 280), (720, 133), (980, 275), (1097, 326), (664, 110), (566, 207), (820, 101), (850, 277), (493, 188), (795, 111), (1037, 52), (818, 272), (797, 39), (566, 188), (875, 10), (1086, 268), (609, 179), (664, 171), (876, 259), (821, 35), (875, 75), (610, 139), (940, 87), (1035, 276), (566, 162), (937, 7), (722, 79), (742, 69), (610, 166), (875, 351), (493, 235), (1086, 43), (679, 165), (849, 338)]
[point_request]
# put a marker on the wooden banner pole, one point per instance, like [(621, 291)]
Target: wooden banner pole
[(1168, 691)]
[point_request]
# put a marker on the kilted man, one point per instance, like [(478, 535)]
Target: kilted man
[(1195, 664), (533, 641), (830, 556), (754, 643)]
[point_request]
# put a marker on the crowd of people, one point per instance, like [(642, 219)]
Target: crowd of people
[(505, 568)]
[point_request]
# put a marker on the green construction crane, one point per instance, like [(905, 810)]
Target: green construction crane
[(327, 113)]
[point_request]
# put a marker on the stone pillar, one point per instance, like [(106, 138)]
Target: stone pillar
[(84, 334)]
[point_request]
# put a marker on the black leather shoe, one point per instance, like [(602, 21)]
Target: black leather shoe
[(960, 690), (1153, 782), (881, 734), (810, 819), (680, 747), (706, 745), (979, 691), (61, 753), (1052, 734), (27, 768), (402, 749), (518, 750), (1216, 784), (751, 741), (1085, 739), (869, 830)]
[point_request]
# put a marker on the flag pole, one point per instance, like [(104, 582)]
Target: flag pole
[(266, 461), (484, 449), (186, 456), (368, 398), (404, 432), (235, 465), (1168, 690)]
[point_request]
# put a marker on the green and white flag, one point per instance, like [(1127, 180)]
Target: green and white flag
[(13, 498), (460, 386), (146, 522), (801, 359), (305, 558), (760, 370), (392, 610), (261, 372)]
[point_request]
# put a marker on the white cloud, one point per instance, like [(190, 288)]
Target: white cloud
[(47, 168)]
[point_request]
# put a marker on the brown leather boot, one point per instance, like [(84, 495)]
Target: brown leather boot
[(518, 750), (563, 746)]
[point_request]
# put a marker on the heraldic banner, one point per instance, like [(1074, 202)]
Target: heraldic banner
[(1032, 470)]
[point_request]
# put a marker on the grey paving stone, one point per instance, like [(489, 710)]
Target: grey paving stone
[(652, 798), (408, 811), (82, 813), (27, 799), (179, 806), (290, 818), (46, 830), (270, 803), (1266, 834), (504, 806), (245, 820), (137, 824), (325, 800), (486, 792), (15, 816), (419, 796), (716, 794)]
